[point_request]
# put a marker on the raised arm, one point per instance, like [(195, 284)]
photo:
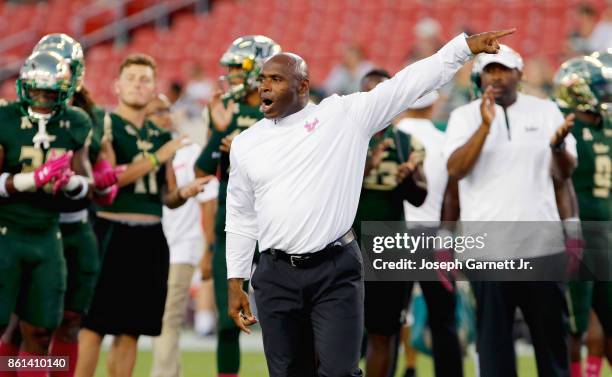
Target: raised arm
[(144, 166), (462, 160), (373, 110), (208, 160), (563, 161)]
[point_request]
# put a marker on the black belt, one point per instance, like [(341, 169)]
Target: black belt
[(313, 259)]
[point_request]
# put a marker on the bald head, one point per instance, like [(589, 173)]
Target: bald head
[(294, 63), (284, 85)]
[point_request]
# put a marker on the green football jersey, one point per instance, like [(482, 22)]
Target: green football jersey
[(380, 200), (132, 144), (593, 175), (213, 161), (68, 132)]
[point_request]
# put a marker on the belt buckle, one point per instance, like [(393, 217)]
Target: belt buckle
[(293, 258)]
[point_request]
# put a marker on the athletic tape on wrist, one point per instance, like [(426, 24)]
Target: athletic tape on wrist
[(75, 181), (104, 192), (24, 182)]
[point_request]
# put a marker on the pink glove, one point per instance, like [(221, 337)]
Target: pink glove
[(108, 198), (105, 175), (61, 181), (54, 168), (445, 277), (574, 248)]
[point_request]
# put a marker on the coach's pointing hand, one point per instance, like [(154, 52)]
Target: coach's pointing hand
[(238, 306), (487, 42)]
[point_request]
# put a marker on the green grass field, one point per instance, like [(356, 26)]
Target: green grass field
[(202, 364)]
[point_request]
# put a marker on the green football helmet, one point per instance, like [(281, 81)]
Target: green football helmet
[(605, 57), (69, 49), (46, 70), (248, 52), (580, 85)]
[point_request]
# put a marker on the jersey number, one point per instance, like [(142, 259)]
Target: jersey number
[(139, 186), (31, 158), (602, 176)]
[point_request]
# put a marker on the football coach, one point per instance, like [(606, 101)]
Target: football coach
[(295, 179)]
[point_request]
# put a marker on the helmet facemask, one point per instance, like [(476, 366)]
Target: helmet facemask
[(247, 53), (45, 85)]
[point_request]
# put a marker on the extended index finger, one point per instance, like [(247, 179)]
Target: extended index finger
[(503, 33)]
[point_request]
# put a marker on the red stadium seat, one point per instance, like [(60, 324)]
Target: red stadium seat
[(7, 90), (317, 29)]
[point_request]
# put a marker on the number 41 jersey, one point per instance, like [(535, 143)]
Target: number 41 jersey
[(68, 132), (132, 144), (593, 175)]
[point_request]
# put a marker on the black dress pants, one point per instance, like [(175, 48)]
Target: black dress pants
[(311, 313), (545, 310)]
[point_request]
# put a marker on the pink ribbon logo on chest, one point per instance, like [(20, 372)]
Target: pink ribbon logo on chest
[(310, 126)]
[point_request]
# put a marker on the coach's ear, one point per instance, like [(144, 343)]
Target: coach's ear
[(304, 88), (116, 87)]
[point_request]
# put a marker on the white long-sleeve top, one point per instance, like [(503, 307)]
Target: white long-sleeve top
[(428, 213), (294, 182)]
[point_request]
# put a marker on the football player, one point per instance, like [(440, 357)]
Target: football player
[(100, 148), (40, 135), (229, 114), (79, 241), (581, 88), (393, 172), (131, 290)]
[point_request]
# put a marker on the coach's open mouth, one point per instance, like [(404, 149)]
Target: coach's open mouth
[(266, 105)]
